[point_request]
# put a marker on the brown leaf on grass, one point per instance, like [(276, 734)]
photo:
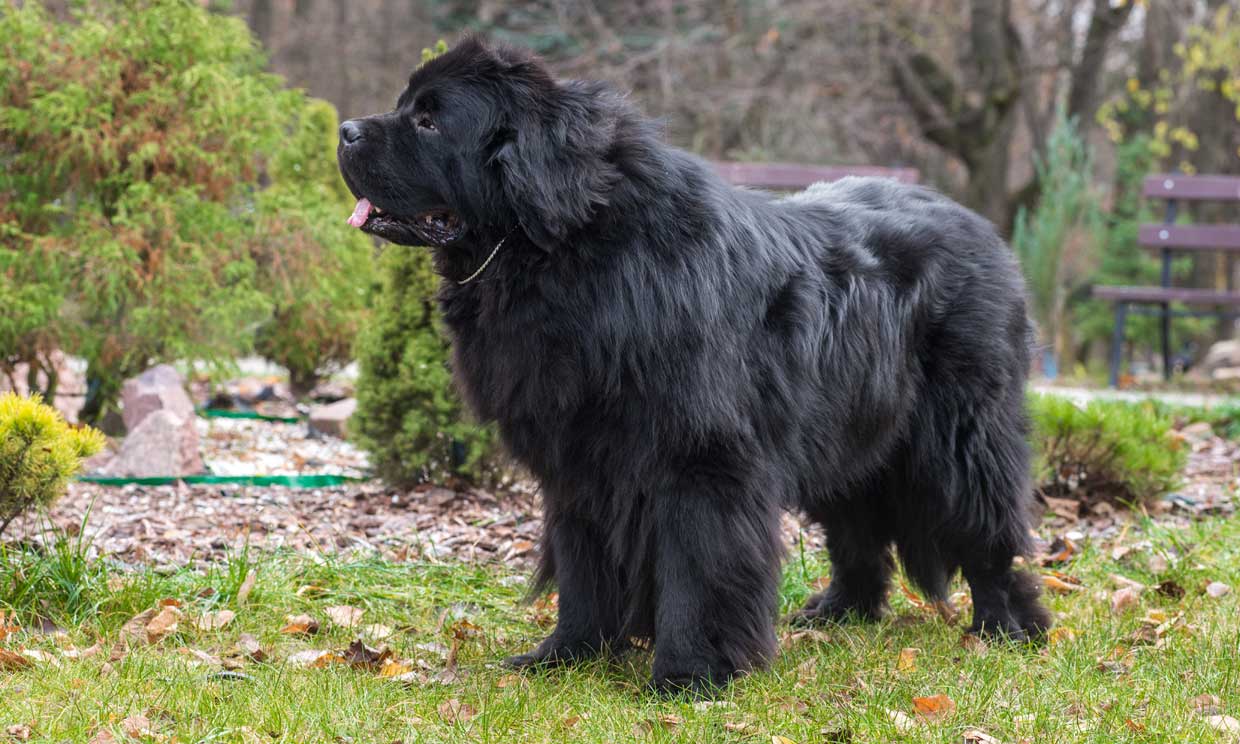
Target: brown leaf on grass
[(902, 721), (310, 590), (19, 732), (394, 668), (360, 656), (545, 609), (1069, 509), (1123, 582), (915, 599), (200, 657), (377, 632), (1215, 590), (8, 625), (1061, 583), (345, 616), (138, 727), (778, 739), (1123, 599), (1060, 551), (809, 635), (1134, 726), (81, 653), (133, 634), (164, 623), (977, 736), (974, 644), (103, 736), (1170, 589), (1207, 705), (315, 658), (453, 710), (247, 586), (214, 620), (512, 680), (300, 625), (1061, 634), (934, 707), (11, 661), (1226, 724), (907, 661), (169, 602), (248, 645)]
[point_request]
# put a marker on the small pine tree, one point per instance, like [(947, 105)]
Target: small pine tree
[(39, 452), (407, 415)]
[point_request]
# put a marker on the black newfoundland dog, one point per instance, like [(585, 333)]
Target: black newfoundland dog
[(678, 360)]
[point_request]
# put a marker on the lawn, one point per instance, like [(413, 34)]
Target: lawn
[(1142, 674)]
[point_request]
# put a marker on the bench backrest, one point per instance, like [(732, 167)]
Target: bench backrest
[(1176, 187), (794, 176)]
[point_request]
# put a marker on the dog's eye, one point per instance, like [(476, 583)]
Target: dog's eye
[(424, 122)]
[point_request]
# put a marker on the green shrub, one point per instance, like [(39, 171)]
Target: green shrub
[(162, 197), (1104, 451), (407, 415), (316, 270), (38, 454)]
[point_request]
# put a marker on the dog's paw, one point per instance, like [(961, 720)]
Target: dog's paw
[(820, 610), (552, 653), (691, 686)]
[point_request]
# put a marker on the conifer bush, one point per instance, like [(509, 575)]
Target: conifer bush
[(1105, 451), (39, 452)]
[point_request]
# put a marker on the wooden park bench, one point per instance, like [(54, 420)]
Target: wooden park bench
[(1166, 239), (794, 176)]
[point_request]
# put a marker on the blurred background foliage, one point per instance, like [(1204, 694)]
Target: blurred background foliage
[(168, 188)]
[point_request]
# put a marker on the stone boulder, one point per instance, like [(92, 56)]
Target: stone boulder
[(158, 389), (333, 418), (162, 444), (1222, 355)]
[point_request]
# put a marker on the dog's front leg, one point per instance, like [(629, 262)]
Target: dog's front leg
[(717, 575), (590, 615)]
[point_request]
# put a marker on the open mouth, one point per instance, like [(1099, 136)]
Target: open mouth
[(435, 226)]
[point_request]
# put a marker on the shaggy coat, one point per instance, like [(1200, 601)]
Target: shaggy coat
[(678, 361)]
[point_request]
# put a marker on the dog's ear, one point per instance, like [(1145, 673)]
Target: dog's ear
[(552, 152)]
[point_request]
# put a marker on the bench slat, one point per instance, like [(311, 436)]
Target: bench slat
[(1193, 237), (798, 176), (1180, 186), (1167, 294)]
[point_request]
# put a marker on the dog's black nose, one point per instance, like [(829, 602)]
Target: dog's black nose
[(350, 132)]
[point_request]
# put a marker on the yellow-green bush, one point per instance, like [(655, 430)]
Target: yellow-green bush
[(39, 452), (1104, 451)]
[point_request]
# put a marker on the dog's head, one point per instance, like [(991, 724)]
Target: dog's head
[(482, 141)]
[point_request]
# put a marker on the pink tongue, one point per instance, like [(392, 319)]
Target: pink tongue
[(360, 212)]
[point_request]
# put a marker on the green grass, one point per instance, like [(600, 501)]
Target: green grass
[(818, 690)]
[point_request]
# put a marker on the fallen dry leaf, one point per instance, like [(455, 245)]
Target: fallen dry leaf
[(19, 732), (81, 653), (934, 707), (907, 661), (214, 620), (1123, 599), (1061, 634), (1207, 705), (12, 661), (137, 727), (1069, 509), (902, 721), (247, 586), (8, 625), (300, 625), (511, 680), (315, 658), (310, 590), (974, 644), (164, 623), (169, 602), (777, 739), (394, 668), (345, 616), (361, 656), (809, 635), (1060, 585), (1122, 582), (103, 736), (248, 645), (977, 736), (1226, 724), (377, 632), (453, 710), (133, 633), (1217, 589)]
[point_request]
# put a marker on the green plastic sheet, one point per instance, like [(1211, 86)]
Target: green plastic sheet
[(291, 481)]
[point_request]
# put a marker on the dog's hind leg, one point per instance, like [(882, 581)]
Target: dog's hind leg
[(590, 595), (859, 544), (718, 558)]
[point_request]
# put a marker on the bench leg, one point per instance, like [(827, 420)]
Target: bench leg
[(1117, 342), (1165, 330)]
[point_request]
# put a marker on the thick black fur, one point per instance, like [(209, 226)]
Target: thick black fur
[(678, 360)]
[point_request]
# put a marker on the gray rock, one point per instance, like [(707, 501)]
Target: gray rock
[(162, 444), (333, 419), (159, 388), (1222, 354)]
